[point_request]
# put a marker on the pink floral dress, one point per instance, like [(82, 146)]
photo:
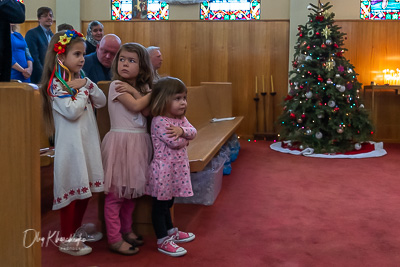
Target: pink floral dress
[(169, 170)]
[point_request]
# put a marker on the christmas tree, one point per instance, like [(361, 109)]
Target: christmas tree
[(323, 109)]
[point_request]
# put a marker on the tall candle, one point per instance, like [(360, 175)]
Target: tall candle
[(263, 84), (256, 85), (272, 85)]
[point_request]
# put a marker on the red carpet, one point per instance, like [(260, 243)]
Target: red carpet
[(277, 209)]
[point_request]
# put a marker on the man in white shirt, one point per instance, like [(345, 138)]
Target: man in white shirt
[(156, 60)]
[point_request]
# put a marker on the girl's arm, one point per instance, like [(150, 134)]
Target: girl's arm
[(189, 132), (159, 129), (96, 95), (69, 108), (124, 87), (132, 104)]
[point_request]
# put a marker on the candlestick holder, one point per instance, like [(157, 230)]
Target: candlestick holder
[(266, 135), (273, 108), (256, 99), (265, 116)]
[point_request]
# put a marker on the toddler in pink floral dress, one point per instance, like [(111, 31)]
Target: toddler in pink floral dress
[(169, 170)]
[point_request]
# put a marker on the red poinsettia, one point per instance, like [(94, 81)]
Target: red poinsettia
[(319, 18), (59, 48)]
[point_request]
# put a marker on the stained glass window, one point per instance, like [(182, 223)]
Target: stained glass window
[(139, 9), (230, 10), (380, 10), (157, 10), (121, 9)]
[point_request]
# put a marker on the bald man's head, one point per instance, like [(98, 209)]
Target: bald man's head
[(107, 49)]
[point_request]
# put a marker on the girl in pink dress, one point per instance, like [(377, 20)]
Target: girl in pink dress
[(169, 169), (126, 148)]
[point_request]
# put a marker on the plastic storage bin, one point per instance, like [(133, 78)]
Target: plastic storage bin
[(206, 184)]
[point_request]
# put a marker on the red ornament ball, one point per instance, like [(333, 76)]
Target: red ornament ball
[(323, 45), (292, 116), (303, 116), (335, 45), (317, 33), (308, 47)]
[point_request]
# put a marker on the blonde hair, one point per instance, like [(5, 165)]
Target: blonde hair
[(162, 94), (145, 76), (50, 62)]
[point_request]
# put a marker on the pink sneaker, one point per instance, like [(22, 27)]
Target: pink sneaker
[(182, 237), (170, 248)]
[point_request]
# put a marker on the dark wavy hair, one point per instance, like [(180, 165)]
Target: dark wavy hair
[(145, 76)]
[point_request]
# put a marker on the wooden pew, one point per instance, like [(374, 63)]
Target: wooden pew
[(207, 101), (20, 174)]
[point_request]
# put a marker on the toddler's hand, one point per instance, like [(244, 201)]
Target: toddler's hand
[(174, 132), (77, 83)]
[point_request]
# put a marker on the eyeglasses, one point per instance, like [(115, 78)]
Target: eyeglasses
[(47, 15)]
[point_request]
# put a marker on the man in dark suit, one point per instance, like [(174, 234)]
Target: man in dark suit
[(38, 39), (98, 64), (11, 11)]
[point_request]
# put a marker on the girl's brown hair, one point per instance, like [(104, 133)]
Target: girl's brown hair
[(162, 94), (145, 76), (49, 63)]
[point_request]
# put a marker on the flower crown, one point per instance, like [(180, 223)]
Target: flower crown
[(59, 47)]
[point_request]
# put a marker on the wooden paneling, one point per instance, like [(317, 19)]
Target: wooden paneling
[(234, 51), (20, 175), (30, 24), (372, 47)]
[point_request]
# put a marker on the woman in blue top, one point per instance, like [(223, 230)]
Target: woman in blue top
[(21, 58)]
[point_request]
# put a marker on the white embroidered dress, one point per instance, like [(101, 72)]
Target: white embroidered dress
[(78, 170)]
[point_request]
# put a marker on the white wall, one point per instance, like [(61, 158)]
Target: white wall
[(95, 10), (69, 12), (345, 9), (32, 6)]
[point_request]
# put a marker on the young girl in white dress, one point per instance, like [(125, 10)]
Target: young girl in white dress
[(68, 101)]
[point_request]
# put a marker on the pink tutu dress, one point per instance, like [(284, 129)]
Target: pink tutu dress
[(126, 150)]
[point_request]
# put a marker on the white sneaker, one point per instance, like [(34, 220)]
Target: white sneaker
[(88, 232), (74, 248)]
